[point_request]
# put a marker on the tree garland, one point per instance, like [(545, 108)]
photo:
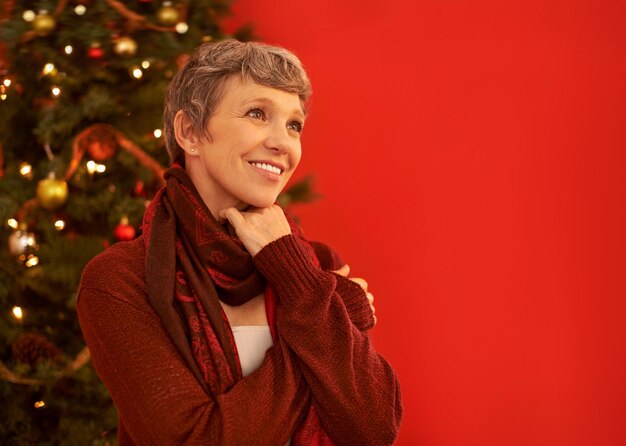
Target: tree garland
[(79, 361), (79, 146)]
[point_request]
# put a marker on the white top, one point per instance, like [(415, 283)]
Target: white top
[(252, 343)]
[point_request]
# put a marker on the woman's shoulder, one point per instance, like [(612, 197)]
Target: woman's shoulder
[(119, 268)]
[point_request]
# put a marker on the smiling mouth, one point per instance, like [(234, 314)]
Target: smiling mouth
[(268, 167)]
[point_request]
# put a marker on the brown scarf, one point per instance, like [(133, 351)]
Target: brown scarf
[(203, 262)]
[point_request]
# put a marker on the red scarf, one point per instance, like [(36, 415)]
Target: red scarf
[(189, 252)]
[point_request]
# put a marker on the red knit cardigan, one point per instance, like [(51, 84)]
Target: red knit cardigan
[(322, 317)]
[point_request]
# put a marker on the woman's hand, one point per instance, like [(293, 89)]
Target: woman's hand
[(344, 271), (258, 227)]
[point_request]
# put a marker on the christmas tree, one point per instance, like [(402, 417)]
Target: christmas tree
[(81, 154)]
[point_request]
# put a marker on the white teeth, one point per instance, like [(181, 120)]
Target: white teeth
[(267, 167)]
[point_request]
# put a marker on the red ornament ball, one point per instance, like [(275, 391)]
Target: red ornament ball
[(101, 142), (95, 52), (140, 188), (124, 232)]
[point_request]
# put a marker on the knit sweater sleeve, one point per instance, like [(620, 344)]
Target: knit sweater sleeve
[(355, 390), (358, 308), (158, 398)]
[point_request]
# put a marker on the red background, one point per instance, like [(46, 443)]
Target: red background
[(471, 155)]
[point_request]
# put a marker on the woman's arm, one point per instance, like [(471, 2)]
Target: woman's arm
[(159, 399), (355, 390), (360, 314)]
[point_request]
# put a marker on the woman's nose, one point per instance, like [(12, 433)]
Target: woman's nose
[(279, 139)]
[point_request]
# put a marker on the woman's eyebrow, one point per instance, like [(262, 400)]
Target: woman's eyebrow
[(268, 101)]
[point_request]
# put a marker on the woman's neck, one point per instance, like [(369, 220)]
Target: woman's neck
[(212, 195)]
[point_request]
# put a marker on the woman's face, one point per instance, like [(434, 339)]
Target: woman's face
[(254, 148)]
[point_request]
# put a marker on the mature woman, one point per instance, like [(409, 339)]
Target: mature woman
[(221, 324)]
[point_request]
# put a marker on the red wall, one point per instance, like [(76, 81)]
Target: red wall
[(472, 159)]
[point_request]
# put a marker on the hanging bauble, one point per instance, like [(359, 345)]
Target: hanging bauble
[(125, 46), (140, 188), (182, 59), (52, 193), (32, 348), (124, 232), (167, 15), (44, 23), (95, 51), (22, 241), (101, 142)]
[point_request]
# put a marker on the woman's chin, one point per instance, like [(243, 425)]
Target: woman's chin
[(261, 202)]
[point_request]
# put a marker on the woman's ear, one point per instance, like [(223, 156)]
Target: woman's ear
[(185, 136)]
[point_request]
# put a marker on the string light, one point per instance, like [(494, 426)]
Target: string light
[(26, 170), (28, 240), (3, 88), (68, 49), (39, 404), (181, 27), (93, 167), (12, 223), (29, 15), (158, 133), (56, 91), (49, 68), (17, 313), (145, 64), (80, 9), (59, 225), (136, 72), (32, 261)]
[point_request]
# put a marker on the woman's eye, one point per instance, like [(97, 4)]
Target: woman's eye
[(296, 126), (256, 113)]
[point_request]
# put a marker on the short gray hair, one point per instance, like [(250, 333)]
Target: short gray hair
[(198, 87)]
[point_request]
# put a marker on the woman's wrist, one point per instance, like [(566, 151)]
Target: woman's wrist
[(289, 266)]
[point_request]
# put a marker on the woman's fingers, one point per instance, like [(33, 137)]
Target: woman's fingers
[(234, 217), (370, 298), (360, 281), (257, 227), (343, 271)]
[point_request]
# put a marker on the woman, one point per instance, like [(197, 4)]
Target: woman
[(221, 324)]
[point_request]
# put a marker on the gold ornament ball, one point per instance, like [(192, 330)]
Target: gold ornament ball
[(167, 15), (44, 24), (125, 46), (52, 193)]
